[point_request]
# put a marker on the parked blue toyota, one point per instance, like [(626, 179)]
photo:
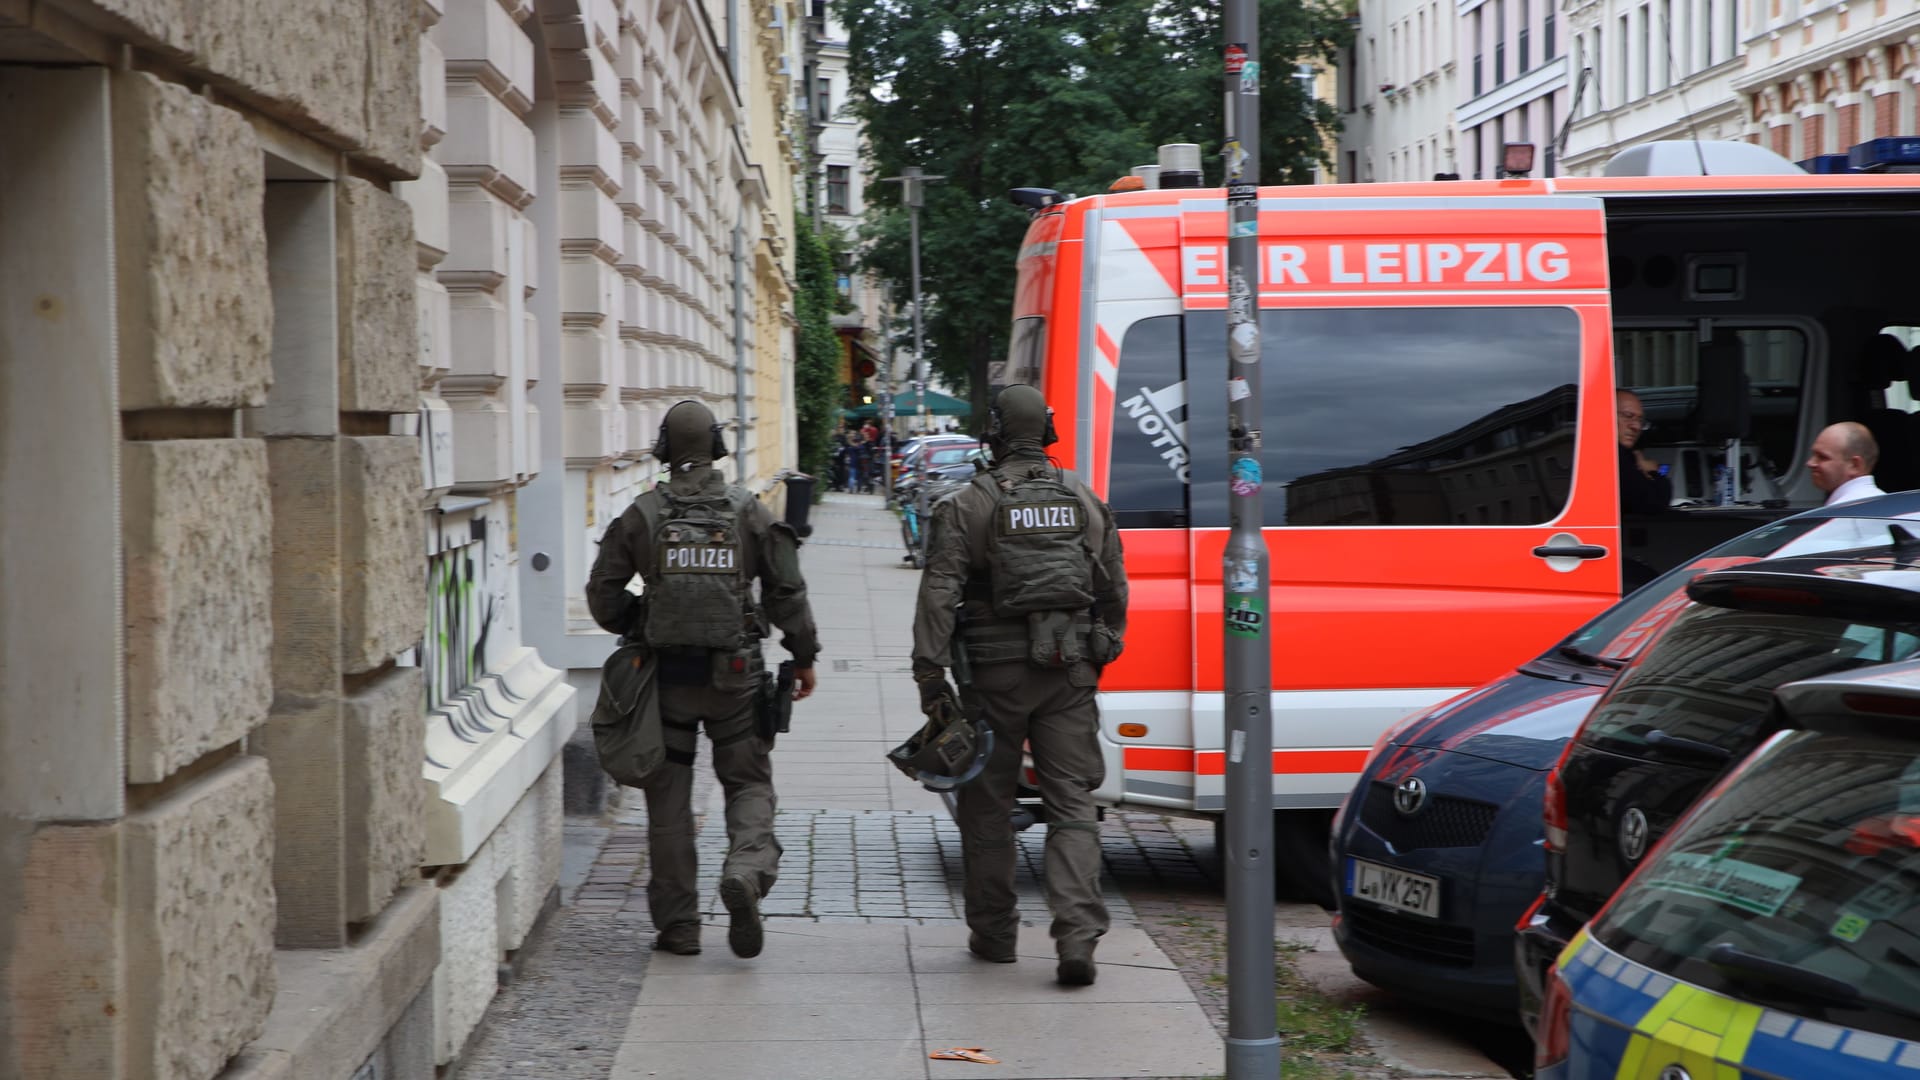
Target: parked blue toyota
[(1438, 849)]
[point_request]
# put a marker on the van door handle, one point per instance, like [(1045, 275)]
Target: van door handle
[(1566, 547)]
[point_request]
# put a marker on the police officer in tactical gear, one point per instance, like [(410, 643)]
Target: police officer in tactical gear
[(699, 543), (1024, 573)]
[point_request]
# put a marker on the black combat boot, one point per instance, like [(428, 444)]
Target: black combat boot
[(744, 934), (680, 939), (1076, 966), (998, 952)]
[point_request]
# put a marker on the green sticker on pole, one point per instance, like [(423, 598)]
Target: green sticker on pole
[(1246, 615)]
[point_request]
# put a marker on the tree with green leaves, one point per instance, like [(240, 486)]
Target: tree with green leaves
[(1065, 94), (816, 376)]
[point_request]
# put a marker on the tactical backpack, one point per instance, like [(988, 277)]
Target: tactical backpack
[(1038, 555), (699, 591)]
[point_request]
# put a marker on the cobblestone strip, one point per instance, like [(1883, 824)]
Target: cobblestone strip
[(1167, 869)]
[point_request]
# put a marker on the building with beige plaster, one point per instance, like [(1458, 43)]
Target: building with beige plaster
[(1800, 77), (335, 333), (836, 176)]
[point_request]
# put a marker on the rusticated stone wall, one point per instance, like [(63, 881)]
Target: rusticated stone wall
[(342, 71), (385, 799), (196, 318), (198, 585), (199, 922), (385, 598), (238, 307), (379, 353)]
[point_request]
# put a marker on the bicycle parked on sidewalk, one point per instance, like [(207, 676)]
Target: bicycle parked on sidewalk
[(948, 470)]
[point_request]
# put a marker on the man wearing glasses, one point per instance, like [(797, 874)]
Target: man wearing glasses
[(1642, 489)]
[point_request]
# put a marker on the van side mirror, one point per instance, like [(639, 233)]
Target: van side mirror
[(1724, 402)]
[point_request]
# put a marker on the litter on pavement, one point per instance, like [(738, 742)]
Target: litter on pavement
[(964, 1053)]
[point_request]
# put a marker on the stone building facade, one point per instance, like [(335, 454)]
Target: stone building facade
[(212, 819), (1643, 71), (836, 179), (1399, 89), (1514, 81), (336, 332), (1800, 77), (1822, 77)]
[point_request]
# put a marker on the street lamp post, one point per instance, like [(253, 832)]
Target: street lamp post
[(911, 178), (1253, 1044)]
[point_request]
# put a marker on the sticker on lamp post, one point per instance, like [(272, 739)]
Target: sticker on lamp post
[(1245, 615)]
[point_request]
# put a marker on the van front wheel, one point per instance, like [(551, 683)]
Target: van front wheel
[(1302, 867)]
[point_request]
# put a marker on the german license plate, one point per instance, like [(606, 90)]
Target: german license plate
[(1417, 894)]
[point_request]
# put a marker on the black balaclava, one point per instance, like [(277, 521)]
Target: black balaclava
[(1019, 420), (689, 437)]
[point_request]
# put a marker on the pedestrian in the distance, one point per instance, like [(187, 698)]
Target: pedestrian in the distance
[(699, 543), (1024, 573), (856, 461)]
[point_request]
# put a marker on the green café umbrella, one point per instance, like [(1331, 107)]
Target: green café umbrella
[(908, 404)]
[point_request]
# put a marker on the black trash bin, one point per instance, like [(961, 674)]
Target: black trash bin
[(799, 502)]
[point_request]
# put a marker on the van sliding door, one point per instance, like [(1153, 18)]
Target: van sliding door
[(1429, 444), (1147, 474)]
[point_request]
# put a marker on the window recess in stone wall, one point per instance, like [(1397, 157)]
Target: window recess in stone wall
[(496, 712)]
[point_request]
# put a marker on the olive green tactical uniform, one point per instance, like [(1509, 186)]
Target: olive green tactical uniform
[(1050, 708), (726, 705)]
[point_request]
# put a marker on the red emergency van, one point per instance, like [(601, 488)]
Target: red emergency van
[(1441, 454)]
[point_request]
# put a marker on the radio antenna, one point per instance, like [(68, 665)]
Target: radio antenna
[(1680, 89)]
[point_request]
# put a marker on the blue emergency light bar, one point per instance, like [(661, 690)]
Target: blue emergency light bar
[(1826, 164), (1894, 152)]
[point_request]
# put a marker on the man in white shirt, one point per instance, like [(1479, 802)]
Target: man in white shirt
[(1842, 463)]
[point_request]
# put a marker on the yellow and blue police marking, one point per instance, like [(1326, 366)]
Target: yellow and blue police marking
[(1630, 1022)]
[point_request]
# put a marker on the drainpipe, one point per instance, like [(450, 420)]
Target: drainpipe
[(733, 41), (740, 354)]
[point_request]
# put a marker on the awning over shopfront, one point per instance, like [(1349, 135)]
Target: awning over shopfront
[(908, 404)]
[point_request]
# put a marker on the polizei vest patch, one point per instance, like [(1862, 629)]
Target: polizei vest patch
[(1021, 518), (699, 559)]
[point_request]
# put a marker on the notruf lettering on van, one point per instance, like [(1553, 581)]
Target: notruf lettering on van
[(1148, 411)]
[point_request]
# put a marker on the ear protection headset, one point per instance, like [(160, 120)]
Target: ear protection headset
[(996, 429), (660, 452)]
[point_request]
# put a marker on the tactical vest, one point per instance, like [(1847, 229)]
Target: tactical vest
[(699, 589), (1037, 554)]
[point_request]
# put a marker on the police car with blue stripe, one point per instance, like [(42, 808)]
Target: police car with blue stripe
[(1776, 932)]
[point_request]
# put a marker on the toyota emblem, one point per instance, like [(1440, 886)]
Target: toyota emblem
[(1409, 796), (1633, 834)]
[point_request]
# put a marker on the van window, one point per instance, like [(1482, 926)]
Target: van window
[(1662, 365), (1398, 416), (1148, 471), (1026, 348)]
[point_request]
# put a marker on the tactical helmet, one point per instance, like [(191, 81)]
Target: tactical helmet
[(1018, 413), (949, 750), (688, 420)]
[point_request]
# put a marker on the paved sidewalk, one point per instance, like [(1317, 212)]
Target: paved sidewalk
[(865, 969)]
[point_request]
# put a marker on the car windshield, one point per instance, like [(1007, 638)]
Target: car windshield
[(1805, 869), (953, 455), (1624, 629), (1711, 677)]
